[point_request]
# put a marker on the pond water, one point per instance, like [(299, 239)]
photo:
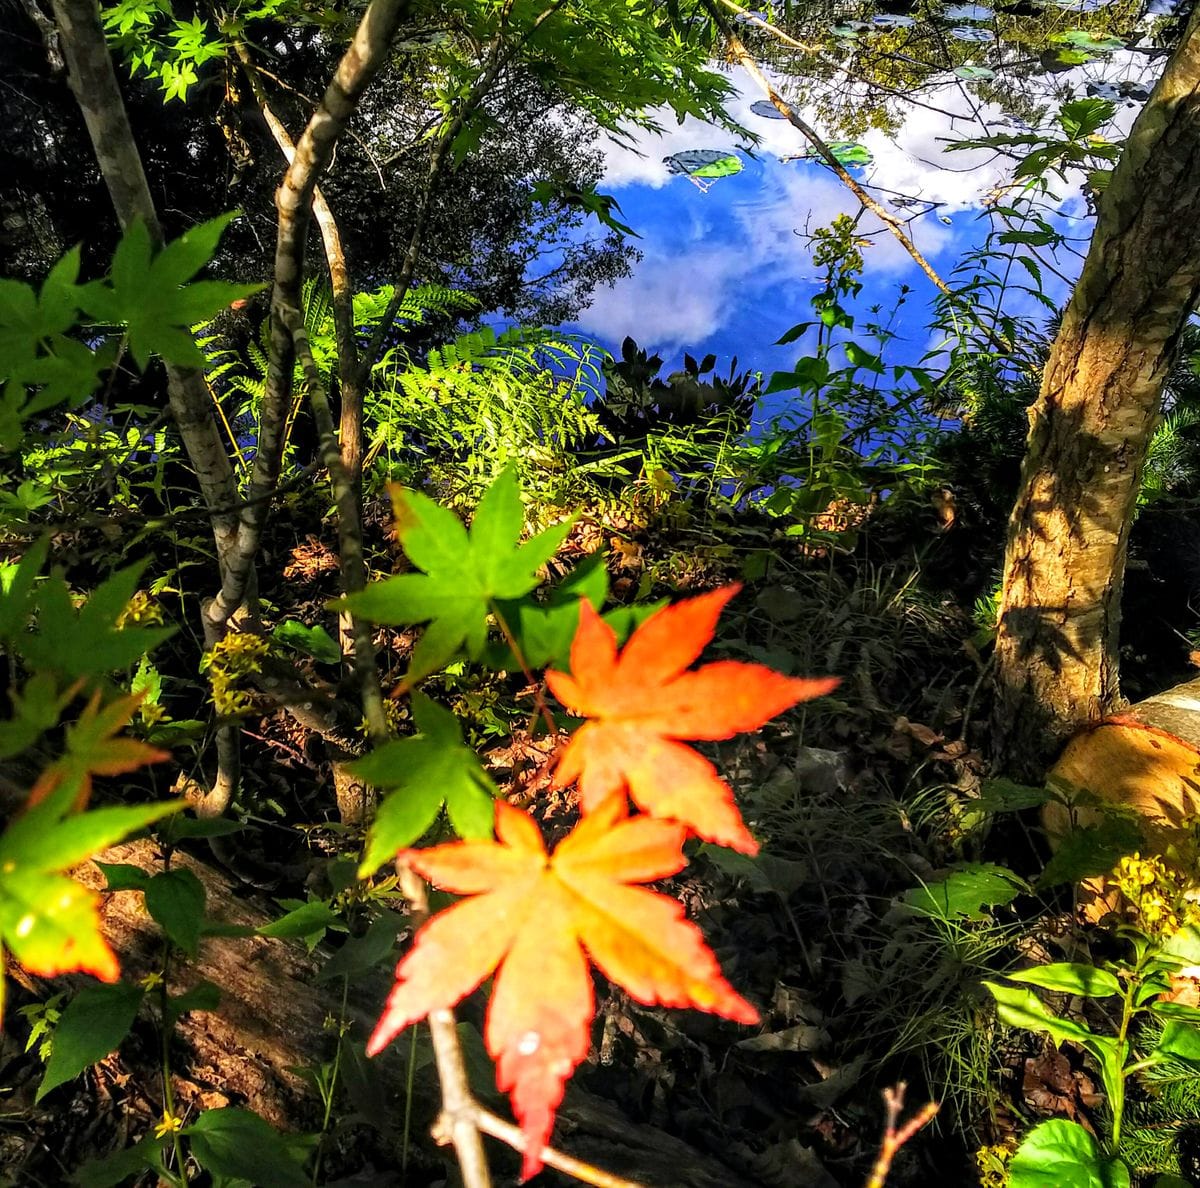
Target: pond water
[(727, 264)]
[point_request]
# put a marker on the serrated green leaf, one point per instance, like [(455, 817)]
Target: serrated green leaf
[(424, 772), (147, 295), (464, 573), (964, 893), (118, 1167), (203, 996), (239, 1144), (94, 1023), (362, 953), (36, 846), (176, 900), (1092, 850)]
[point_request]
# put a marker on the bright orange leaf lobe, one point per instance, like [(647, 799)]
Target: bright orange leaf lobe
[(534, 920), (641, 701)]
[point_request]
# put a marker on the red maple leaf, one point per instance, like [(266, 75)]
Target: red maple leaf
[(535, 920), (643, 700)]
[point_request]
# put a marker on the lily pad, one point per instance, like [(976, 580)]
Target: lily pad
[(766, 109), (846, 152), (974, 73), (972, 33), (1081, 39), (967, 12)]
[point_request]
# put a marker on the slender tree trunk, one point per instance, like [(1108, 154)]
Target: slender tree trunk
[(1057, 659)]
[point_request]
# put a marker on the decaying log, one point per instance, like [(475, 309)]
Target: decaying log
[(272, 1022)]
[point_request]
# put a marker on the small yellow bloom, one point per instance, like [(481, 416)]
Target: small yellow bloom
[(169, 1125), (151, 981)]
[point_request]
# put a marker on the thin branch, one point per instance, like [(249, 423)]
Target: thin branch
[(461, 1128), (894, 1136), (359, 64), (361, 659), (740, 54), (502, 52)]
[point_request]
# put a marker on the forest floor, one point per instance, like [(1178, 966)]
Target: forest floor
[(858, 799)]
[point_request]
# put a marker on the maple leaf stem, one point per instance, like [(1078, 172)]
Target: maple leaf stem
[(895, 1136), (458, 1106), (586, 1173), (540, 707)]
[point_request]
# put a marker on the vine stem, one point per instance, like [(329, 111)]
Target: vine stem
[(540, 708)]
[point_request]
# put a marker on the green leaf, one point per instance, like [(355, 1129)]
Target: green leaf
[(94, 1023), (1022, 1008), (118, 1167), (310, 919), (1090, 851), (237, 1143), (88, 642), (1071, 978), (1180, 1041), (463, 573), (425, 772), (123, 876), (32, 844), (1005, 796), (203, 996), (1058, 1153), (362, 953), (965, 892), (309, 641), (150, 298), (1084, 117), (179, 828), (176, 899)]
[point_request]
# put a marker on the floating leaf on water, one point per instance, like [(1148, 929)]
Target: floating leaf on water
[(966, 12), (889, 20), (971, 33), (1081, 39), (706, 163), (846, 152), (974, 73), (1103, 90), (766, 109)]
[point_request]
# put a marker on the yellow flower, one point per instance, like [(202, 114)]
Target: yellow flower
[(151, 981), (169, 1125)]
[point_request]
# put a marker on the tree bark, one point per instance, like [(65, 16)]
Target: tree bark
[(1056, 652)]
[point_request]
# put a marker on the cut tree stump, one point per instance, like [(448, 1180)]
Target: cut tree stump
[(1146, 759)]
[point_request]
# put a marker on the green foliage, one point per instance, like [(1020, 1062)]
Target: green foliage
[(93, 1024), (238, 1144), (423, 773), (462, 574)]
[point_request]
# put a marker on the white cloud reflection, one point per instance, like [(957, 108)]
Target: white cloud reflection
[(707, 256)]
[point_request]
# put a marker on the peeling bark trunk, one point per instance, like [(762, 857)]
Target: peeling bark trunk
[(94, 85), (1057, 660)]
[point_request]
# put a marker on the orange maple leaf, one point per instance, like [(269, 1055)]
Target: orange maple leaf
[(536, 919), (645, 699)]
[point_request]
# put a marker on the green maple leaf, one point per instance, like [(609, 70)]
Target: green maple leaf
[(88, 642), (149, 293), (426, 771), (464, 574)]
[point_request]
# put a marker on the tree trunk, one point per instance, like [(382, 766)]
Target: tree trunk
[(1057, 662)]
